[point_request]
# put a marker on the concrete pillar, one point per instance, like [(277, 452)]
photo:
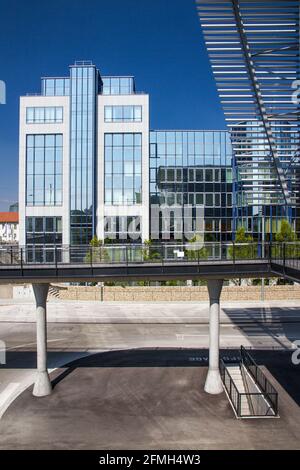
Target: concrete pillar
[(42, 386), (213, 383)]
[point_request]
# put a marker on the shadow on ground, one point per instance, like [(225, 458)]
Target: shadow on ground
[(279, 362), (137, 399)]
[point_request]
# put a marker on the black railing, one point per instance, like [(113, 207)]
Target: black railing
[(231, 388), (195, 253), (281, 259), (269, 392), (262, 403)]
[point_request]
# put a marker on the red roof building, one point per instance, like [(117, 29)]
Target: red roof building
[(9, 217)]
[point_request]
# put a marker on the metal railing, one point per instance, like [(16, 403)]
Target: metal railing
[(247, 405), (231, 388), (267, 389), (192, 253), (286, 256)]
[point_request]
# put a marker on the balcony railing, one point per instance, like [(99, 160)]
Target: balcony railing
[(135, 253)]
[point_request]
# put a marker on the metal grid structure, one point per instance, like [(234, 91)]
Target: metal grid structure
[(253, 47)]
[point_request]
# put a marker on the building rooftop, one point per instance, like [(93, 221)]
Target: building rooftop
[(12, 217)]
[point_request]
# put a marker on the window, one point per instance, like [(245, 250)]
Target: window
[(123, 113), (121, 228), (42, 235), (44, 115), (117, 86), (55, 86), (123, 169), (209, 200), (199, 198), (199, 175), (44, 170), (208, 175)]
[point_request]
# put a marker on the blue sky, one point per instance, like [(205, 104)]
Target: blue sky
[(158, 41)]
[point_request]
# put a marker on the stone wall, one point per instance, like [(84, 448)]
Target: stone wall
[(6, 291), (152, 294)]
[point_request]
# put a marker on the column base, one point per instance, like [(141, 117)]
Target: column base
[(42, 385), (213, 383)]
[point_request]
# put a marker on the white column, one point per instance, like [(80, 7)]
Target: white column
[(42, 386), (213, 382)]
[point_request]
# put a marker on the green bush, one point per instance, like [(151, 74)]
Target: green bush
[(194, 253), (243, 247)]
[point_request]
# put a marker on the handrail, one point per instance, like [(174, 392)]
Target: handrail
[(137, 252), (235, 396), (281, 258), (260, 379)]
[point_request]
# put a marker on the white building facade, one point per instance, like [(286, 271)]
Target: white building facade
[(83, 160)]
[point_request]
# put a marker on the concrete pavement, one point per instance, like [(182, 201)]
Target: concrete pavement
[(129, 403), (77, 329), (150, 312)]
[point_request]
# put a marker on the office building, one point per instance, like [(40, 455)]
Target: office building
[(89, 165)]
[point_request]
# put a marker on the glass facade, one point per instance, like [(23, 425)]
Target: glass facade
[(123, 228), (118, 86), (123, 113), (44, 155), (42, 235), (55, 86), (83, 99), (256, 75), (44, 115), (194, 168), (123, 168)]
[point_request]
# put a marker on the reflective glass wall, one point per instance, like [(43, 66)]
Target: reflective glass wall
[(44, 153), (194, 167), (123, 169), (83, 99)]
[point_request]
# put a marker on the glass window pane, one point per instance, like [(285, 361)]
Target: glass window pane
[(50, 141), (128, 113), (59, 114), (117, 113), (38, 224), (58, 224), (114, 86), (39, 115), (39, 140), (50, 114), (117, 139), (108, 139), (137, 139), (49, 224), (209, 200), (138, 113), (29, 114), (108, 113), (30, 140), (59, 140), (128, 139)]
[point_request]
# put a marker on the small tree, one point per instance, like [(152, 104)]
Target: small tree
[(286, 234), (97, 253), (150, 253), (194, 252), (244, 247)]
